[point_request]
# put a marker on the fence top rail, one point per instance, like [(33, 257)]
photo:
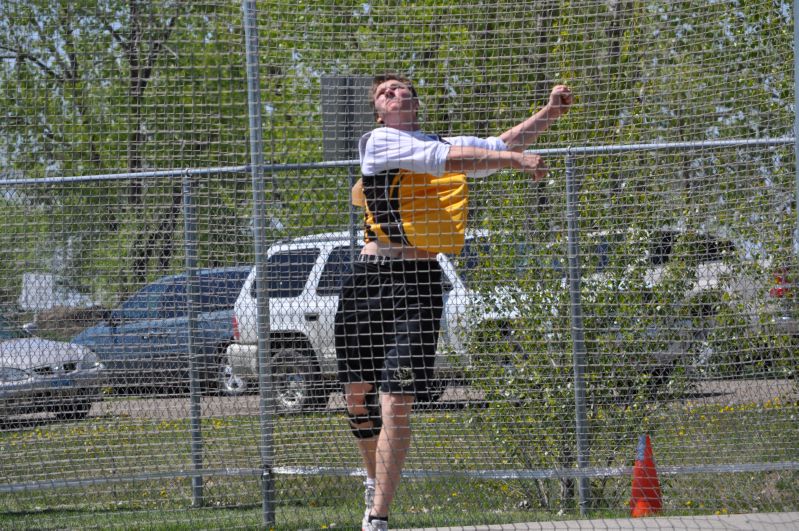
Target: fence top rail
[(156, 174), (276, 168), (667, 146)]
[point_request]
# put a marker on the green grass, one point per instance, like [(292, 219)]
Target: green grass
[(444, 441)]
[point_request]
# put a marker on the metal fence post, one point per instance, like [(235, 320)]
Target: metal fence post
[(266, 402), (352, 178), (796, 118), (578, 337), (193, 298)]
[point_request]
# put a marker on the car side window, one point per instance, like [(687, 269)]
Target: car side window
[(287, 272), (339, 264), (661, 248), (173, 302), (469, 259), (446, 283), (145, 304), (710, 249), (698, 248), (219, 292), (602, 252)]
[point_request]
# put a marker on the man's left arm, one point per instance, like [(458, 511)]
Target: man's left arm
[(519, 137)]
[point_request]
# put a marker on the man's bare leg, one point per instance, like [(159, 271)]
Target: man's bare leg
[(392, 448), (355, 395)]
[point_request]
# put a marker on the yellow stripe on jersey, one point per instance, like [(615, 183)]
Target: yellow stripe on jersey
[(417, 209)]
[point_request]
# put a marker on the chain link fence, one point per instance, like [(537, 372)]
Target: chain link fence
[(152, 153)]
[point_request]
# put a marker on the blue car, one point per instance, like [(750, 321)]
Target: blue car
[(145, 342)]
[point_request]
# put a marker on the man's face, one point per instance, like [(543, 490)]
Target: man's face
[(395, 104)]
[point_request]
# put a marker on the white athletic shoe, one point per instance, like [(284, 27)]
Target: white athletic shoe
[(369, 501), (376, 525)]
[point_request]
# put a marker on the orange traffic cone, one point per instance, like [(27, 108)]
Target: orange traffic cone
[(646, 497)]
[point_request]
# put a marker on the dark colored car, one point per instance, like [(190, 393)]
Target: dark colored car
[(38, 375), (145, 342)]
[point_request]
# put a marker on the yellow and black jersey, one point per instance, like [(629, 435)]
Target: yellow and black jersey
[(408, 197), (416, 209)]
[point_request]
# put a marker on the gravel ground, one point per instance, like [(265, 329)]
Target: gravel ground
[(726, 393)]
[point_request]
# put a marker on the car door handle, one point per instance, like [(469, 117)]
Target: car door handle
[(311, 317), (150, 335)]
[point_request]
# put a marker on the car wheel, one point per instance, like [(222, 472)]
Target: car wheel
[(228, 382), (667, 345), (295, 381), (511, 350), (700, 362), (73, 411)]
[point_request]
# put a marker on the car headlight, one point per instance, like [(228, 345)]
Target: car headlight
[(12, 374), (90, 361)]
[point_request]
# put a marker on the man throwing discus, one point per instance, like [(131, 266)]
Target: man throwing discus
[(415, 197)]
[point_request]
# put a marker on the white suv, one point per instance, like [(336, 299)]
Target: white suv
[(304, 278), (305, 275)]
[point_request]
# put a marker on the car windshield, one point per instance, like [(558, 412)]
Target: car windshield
[(288, 272), (147, 303), (338, 265), (218, 291), (169, 297), (658, 247), (9, 331), (477, 252)]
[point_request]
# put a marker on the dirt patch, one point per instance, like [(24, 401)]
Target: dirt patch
[(737, 392)]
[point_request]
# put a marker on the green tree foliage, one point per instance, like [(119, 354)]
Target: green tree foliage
[(113, 86)]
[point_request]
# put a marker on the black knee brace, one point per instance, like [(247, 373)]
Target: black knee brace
[(372, 415)]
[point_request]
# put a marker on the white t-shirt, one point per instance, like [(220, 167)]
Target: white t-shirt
[(386, 148)]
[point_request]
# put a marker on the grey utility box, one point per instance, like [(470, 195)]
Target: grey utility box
[(346, 115)]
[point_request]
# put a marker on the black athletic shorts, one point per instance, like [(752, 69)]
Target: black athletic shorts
[(387, 324)]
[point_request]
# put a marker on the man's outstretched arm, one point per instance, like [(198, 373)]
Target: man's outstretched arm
[(464, 159), (519, 137)]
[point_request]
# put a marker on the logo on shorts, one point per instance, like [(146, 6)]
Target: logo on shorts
[(404, 376)]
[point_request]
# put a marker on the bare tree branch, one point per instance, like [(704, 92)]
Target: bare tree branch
[(22, 55)]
